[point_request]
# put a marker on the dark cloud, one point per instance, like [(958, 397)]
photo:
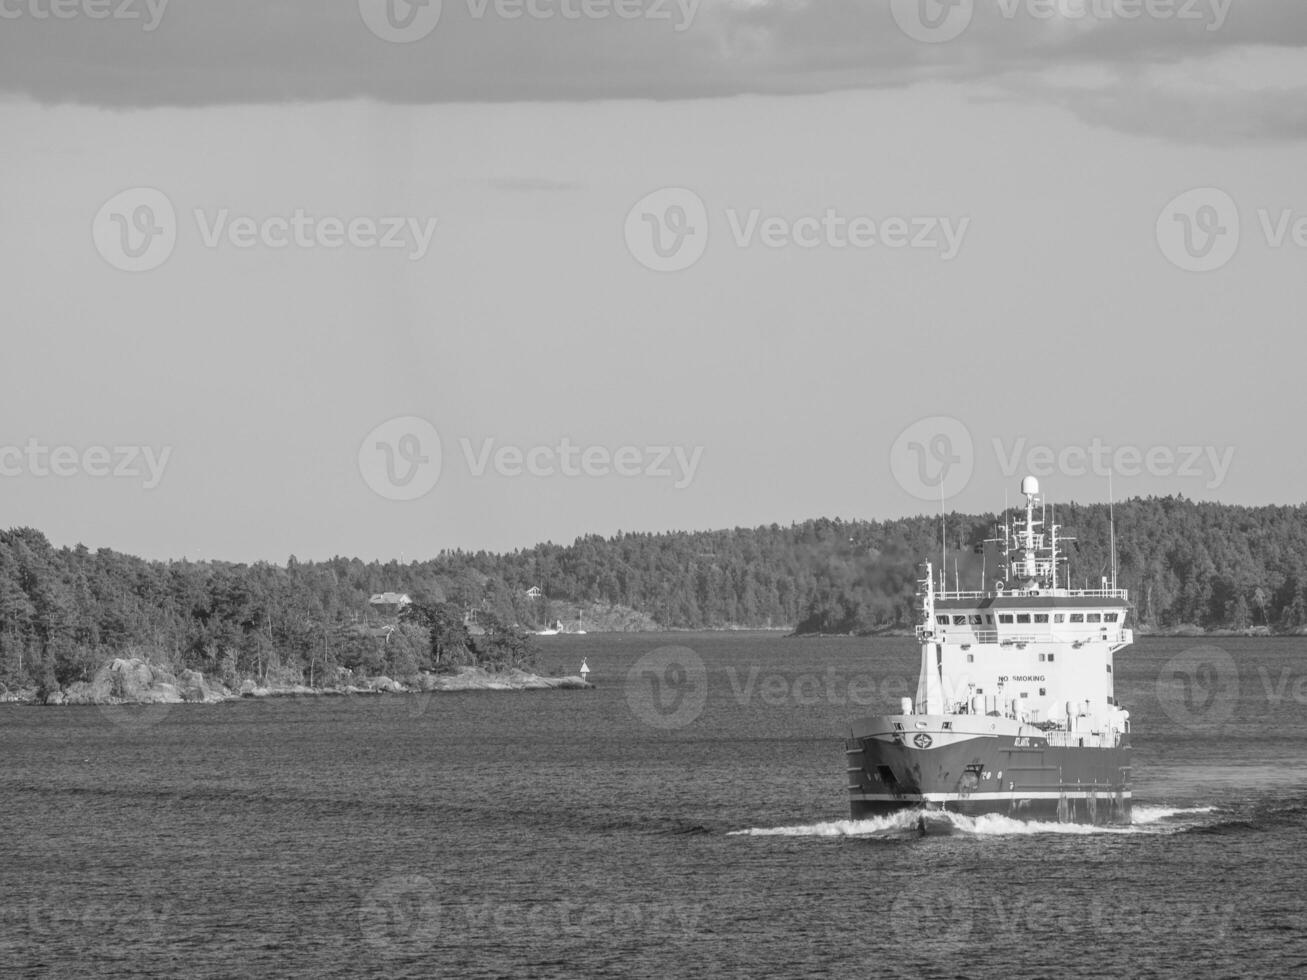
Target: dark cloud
[(275, 51)]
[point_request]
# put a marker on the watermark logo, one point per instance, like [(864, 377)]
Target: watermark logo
[(668, 688), (1199, 231), (933, 917), (830, 229), (933, 21), (36, 459), (303, 230), (135, 719), (117, 930), (136, 230), (1199, 688), (940, 21), (400, 21), (1208, 463), (400, 916), (933, 458), (568, 459), (148, 12), (667, 230), (807, 690), (401, 459)]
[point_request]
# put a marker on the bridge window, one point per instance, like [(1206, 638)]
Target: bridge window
[(1059, 617), (1041, 617), (989, 620), (1093, 618), (1109, 617), (1077, 617), (942, 620), (1005, 617), (977, 621), (959, 620), (1023, 617)]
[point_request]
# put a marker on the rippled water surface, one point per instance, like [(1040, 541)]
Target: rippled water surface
[(569, 833)]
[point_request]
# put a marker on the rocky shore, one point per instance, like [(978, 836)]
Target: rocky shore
[(134, 681)]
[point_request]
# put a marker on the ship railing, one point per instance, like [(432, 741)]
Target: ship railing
[(1122, 594), (1093, 740), (964, 635)]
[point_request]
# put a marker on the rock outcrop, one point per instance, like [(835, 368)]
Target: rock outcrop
[(136, 681)]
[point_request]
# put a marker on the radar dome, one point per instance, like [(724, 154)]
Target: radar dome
[(1030, 486)]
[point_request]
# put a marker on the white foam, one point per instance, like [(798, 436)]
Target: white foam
[(904, 820), (997, 825), (1152, 814), (987, 825)]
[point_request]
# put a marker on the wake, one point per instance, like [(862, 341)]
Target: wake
[(1144, 819)]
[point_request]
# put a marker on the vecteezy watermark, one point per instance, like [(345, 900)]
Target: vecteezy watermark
[(932, 917), (937, 233), (933, 458), (940, 21), (303, 230), (667, 688), (940, 918), (1208, 463), (1199, 231), (70, 924), (806, 690), (137, 230), (36, 459), (933, 21), (1202, 230), (400, 21), (677, 463), (148, 12), (1199, 688), (668, 230), (400, 916), (401, 458), (406, 21), (406, 916)]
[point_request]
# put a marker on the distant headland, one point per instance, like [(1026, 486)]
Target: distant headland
[(67, 614)]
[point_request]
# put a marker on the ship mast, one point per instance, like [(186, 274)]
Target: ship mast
[(1029, 487)]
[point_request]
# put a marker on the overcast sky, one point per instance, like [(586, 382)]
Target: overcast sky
[(761, 261)]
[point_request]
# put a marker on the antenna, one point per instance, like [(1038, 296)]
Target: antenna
[(944, 544), (1007, 532), (1111, 523), (1052, 543)]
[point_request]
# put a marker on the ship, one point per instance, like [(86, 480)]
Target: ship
[(1015, 710)]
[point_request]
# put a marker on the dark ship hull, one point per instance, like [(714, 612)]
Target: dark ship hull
[(1018, 776)]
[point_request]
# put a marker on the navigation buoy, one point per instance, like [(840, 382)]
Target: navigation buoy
[(585, 670)]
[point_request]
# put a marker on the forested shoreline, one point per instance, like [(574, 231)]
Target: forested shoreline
[(65, 612)]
